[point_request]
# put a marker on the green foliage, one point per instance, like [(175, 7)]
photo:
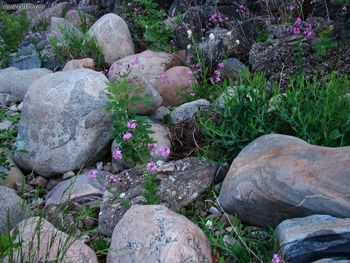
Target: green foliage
[(76, 46), (244, 118), (315, 111), (262, 35), (325, 43), (149, 22), (341, 2), (317, 114), (150, 189), (13, 30), (122, 98), (7, 138)]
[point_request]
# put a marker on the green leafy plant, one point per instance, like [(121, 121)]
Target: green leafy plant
[(150, 189), (122, 99), (319, 114), (13, 30), (244, 117), (325, 43), (76, 46), (147, 20)]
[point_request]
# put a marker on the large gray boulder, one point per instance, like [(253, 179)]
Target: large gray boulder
[(154, 233), (113, 36), (12, 209), (14, 82), (317, 237), (64, 123), (278, 177)]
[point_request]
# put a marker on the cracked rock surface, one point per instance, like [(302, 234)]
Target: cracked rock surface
[(160, 236)]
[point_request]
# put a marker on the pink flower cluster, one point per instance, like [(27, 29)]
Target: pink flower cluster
[(152, 167), (276, 259), (241, 9), (93, 174), (217, 74), (217, 19), (117, 154), (298, 27), (156, 151)]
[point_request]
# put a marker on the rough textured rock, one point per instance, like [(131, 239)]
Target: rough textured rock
[(188, 111), (44, 243), (79, 64), (14, 83), (151, 64), (56, 10), (113, 36), (59, 25), (80, 188), (232, 68), (64, 123), (78, 18), (26, 58), (277, 177), (163, 237), (142, 86), (161, 113), (174, 85), (179, 183), (303, 240), (13, 209)]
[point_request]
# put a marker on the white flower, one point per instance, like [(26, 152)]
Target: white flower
[(211, 36), (237, 42), (229, 33), (189, 46), (209, 224), (189, 33)]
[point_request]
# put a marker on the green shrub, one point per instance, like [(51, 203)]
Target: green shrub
[(319, 114), (147, 21), (315, 111), (13, 30), (244, 118), (325, 43), (76, 46)]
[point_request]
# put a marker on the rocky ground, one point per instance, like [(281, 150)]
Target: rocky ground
[(67, 197)]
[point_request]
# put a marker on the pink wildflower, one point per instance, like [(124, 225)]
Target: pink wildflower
[(152, 167), (276, 259), (117, 154), (221, 65), (113, 178), (93, 174), (127, 136), (164, 151), (298, 21), (295, 30), (132, 124)]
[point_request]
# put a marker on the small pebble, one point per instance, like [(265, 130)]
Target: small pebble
[(68, 175)]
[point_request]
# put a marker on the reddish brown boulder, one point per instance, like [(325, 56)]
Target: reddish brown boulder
[(278, 177), (174, 85), (154, 233)]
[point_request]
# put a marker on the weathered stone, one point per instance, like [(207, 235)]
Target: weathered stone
[(277, 177), (14, 83), (303, 240), (59, 26), (41, 241), (81, 188), (13, 209), (26, 58), (78, 18), (38, 181), (188, 111), (143, 87), (161, 113), (79, 64), (232, 68), (45, 16), (13, 176), (179, 183), (156, 234), (174, 85), (113, 36), (151, 64), (64, 123)]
